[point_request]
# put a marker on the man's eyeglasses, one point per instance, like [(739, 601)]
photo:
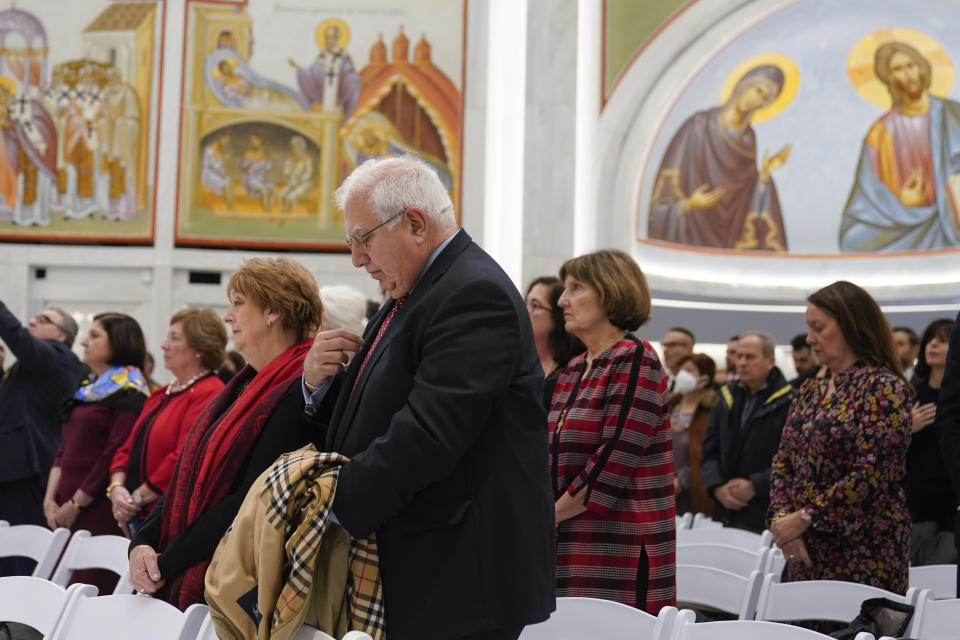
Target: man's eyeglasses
[(361, 239), (42, 319)]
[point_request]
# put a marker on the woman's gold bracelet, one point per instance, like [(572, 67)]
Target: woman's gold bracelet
[(111, 486), (782, 514)]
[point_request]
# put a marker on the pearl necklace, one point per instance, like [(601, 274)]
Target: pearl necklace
[(186, 384)]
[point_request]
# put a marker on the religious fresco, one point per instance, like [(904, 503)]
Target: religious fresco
[(269, 131), (77, 115), (844, 144)]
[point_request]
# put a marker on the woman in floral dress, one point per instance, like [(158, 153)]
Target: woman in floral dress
[(837, 508)]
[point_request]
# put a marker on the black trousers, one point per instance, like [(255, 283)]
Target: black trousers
[(496, 634), (21, 502)]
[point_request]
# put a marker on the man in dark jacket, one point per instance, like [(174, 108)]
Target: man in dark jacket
[(744, 435), (947, 424), (440, 413), (45, 374)]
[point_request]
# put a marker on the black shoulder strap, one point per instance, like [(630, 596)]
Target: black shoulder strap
[(621, 419)]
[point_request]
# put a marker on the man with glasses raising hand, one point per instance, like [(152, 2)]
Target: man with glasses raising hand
[(45, 374)]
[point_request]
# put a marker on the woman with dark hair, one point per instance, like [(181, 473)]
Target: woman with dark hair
[(609, 437), (98, 419), (690, 407), (143, 465), (274, 310), (554, 345), (837, 505), (930, 494)]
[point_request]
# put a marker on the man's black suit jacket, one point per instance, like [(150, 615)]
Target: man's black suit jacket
[(446, 436), (947, 422), (45, 375)]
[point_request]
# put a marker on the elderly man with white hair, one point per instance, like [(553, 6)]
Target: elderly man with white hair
[(441, 417)]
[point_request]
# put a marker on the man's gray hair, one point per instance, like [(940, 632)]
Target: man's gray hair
[(67, 325), (769, 344), (390, 185)]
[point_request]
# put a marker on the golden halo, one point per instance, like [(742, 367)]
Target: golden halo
[(10, 84), (319, 34), (864, 79), (791, 81)]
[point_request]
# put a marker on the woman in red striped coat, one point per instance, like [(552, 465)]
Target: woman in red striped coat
[(611, 456)]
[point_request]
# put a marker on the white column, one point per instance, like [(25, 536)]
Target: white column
[(589, 87), (506, 102)]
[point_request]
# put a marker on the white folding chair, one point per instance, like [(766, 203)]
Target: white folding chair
[(686, 629), (725, 535), (701, 521), (935, 619), (775, 561), (208, 631), (685, 521), (31, 541), (723, 556), (590, 618), (95, 552), (37, 602), (939, 578), (832, 600), (128, 616), (719, 589)]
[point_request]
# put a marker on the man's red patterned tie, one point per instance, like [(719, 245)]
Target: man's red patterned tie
[(376, 340)]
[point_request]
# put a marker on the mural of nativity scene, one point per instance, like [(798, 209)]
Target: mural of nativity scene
[(256, 150)]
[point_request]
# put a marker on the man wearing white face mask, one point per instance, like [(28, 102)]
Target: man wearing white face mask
[(690, 407), (744, 435)]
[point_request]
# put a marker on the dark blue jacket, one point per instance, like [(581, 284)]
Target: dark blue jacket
[(45, 375), (731, 451)]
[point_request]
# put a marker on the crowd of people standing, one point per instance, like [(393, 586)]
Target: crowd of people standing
[(502, 454)]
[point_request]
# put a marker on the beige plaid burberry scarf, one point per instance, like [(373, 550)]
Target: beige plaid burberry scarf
[(303, 570)]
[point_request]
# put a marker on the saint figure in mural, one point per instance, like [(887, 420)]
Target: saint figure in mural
[(28, 151), (709, 192), (256, 172), (907, 190), (298, 172), (119, 138), (331, 81), (213, 172)]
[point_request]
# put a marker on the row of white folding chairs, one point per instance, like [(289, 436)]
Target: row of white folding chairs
[(762, 596), (83, 551), (75, 614), (696, 521), (592, 619)]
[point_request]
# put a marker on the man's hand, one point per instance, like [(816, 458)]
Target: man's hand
[(727, 499), (742, 489), (923, 416), (144, 573), (328, 355)]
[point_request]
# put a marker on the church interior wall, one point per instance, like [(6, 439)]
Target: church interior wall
[(583, 147)]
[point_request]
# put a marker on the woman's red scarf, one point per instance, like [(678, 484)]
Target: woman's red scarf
[(215, 448)]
